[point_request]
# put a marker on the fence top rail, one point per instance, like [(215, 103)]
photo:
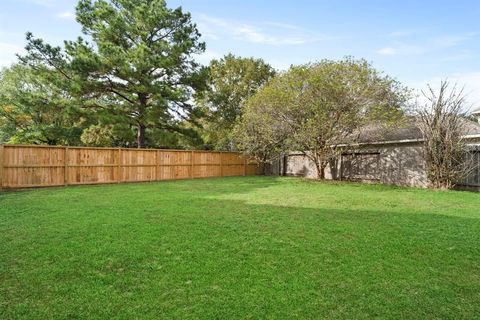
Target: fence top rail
[(8, 145)]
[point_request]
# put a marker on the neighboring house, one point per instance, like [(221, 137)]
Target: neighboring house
[(476, 114), (378, 154)]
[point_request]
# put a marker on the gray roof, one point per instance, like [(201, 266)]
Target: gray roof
[(409, 130)]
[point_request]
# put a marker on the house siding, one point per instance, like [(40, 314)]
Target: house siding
[(398, 164)]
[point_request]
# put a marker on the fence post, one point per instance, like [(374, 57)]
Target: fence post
[(1, 166), (244, 165), (221, 163), (65, 169), (157, 162), (192, 162), (119, 166)]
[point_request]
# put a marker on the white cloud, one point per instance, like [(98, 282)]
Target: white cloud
[(387, 51), (284, 25), (407, 32), (254, 34), (213, 20), (400, 48), (431, 44), (67, 15), (449, 41), (283, 34), (8, 53)]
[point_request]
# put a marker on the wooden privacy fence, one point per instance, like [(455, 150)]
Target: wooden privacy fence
[(23, 166)]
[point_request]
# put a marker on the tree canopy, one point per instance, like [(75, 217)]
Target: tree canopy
[(231, 81), (136, 70), (312, 107), (37, 110)]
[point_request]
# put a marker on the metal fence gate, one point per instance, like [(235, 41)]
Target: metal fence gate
[(473, 159)]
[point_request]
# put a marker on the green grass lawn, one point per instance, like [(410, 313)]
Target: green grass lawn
[(245, 247)]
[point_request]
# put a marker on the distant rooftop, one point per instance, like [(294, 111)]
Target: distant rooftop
[(410, 130), (476, 111)]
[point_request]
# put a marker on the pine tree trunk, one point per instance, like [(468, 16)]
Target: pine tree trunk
[(141, 136), (142, 97)]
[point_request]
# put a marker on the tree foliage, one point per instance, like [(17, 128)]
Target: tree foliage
[(231, 81), (312, 107), (137, 72), (35, 109)]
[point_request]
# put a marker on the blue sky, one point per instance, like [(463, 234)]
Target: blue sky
[(417, 42)]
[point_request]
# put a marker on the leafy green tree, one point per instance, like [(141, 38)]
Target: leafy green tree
[(232, 80), (36, 110), (108, 135), (312, 107), (138, 69)]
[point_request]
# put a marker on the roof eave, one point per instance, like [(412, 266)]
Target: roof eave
[(403, 141)]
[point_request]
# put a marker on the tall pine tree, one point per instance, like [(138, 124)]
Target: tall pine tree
[(136, 66)]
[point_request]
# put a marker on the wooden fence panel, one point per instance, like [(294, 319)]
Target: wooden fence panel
[(85, 166), (206, 164), (174, 165), (138, 165), (253, 169), (24, 166), (234, 164)]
